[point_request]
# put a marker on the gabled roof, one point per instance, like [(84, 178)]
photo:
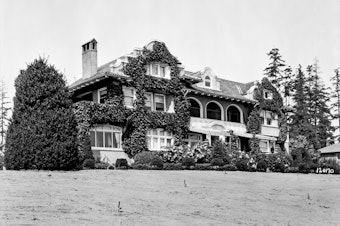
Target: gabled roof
[(335, 148)]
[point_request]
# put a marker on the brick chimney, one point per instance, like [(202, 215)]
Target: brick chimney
[(89, 58)]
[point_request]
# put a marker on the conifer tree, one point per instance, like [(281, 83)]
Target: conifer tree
[(318, 110), (299, 120), (42, 133), (336, 99), (274, 71), (4, 109)]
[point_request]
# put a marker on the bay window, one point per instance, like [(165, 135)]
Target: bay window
[(106, 137), (158, 139)]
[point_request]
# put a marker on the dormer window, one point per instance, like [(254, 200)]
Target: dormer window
[(267, 94), (207, 81), (159, 70)]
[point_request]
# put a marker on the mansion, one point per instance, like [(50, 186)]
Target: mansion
[(218, 107)]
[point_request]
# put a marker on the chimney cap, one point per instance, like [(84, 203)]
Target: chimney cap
[(92, 41)]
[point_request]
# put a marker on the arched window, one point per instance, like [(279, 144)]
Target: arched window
[(195, 109), (213, 111), (207, 81), (233, 114)]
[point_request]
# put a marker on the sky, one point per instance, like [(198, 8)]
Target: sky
[(232, 37)]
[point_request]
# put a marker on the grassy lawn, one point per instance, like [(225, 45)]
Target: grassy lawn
[(161, 198)]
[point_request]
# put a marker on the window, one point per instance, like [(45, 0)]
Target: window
[(267, 94), (195, 109), (213, 111), (159, 102), (106, 137), (162, 71), (158, 70), (157, 139), (102, 95), (148, 101), (155, 102), (207, 81), (267, 118), (154, 69), (192, 139), (264, 146), (233, 114), (128, 96)]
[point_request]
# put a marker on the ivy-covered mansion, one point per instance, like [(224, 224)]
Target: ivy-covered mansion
[(146, 100)]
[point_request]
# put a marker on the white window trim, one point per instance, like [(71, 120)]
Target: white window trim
[(265, 112), (98, 93), (154, 105), (153, 102), (96, 129), (159, 137), (270, 94), (189, 140), (268, 145), (134, 95), (158, 75)]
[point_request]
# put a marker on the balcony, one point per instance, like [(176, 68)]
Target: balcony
[(272, 131), (216, 127)]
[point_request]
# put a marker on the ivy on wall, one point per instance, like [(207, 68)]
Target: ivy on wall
[(137, 121), (275, 104)]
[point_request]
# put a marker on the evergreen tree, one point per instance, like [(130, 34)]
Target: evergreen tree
[(336, 99), (42, 133), (318, 110), (275, 70), (4, 109), (299, 120)]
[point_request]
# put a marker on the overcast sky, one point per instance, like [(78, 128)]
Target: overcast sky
[(230, 36)]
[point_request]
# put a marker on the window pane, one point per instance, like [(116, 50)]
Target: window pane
[(155, 143), (148, 101), (159, 100), (102, 95), (99, 139), (159, 107), (128, 101), (162, 142), (161, 132), (154, 132), (108, 140), (93, 138), (148, 140), (168, 142), (115, 141), (155, 69), (162, 71)]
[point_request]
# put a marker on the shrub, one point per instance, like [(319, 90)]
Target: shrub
[(144, 157), (122, 164), (242, 164), (304, 168), (279, 166), (172, 166), (156, 163), (88, 164), (262, 166), (332, 164), (293, 170), (201, 152), (43, 131), (229, 167), (204, 166), (188, 162), (140, 166), (217, 162), (219, 151), (101, 165)]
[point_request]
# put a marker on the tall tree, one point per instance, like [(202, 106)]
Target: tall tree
[(43, 131), (318, 109), (299, 120), (4, 109), (336, 99), (275, 69)]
